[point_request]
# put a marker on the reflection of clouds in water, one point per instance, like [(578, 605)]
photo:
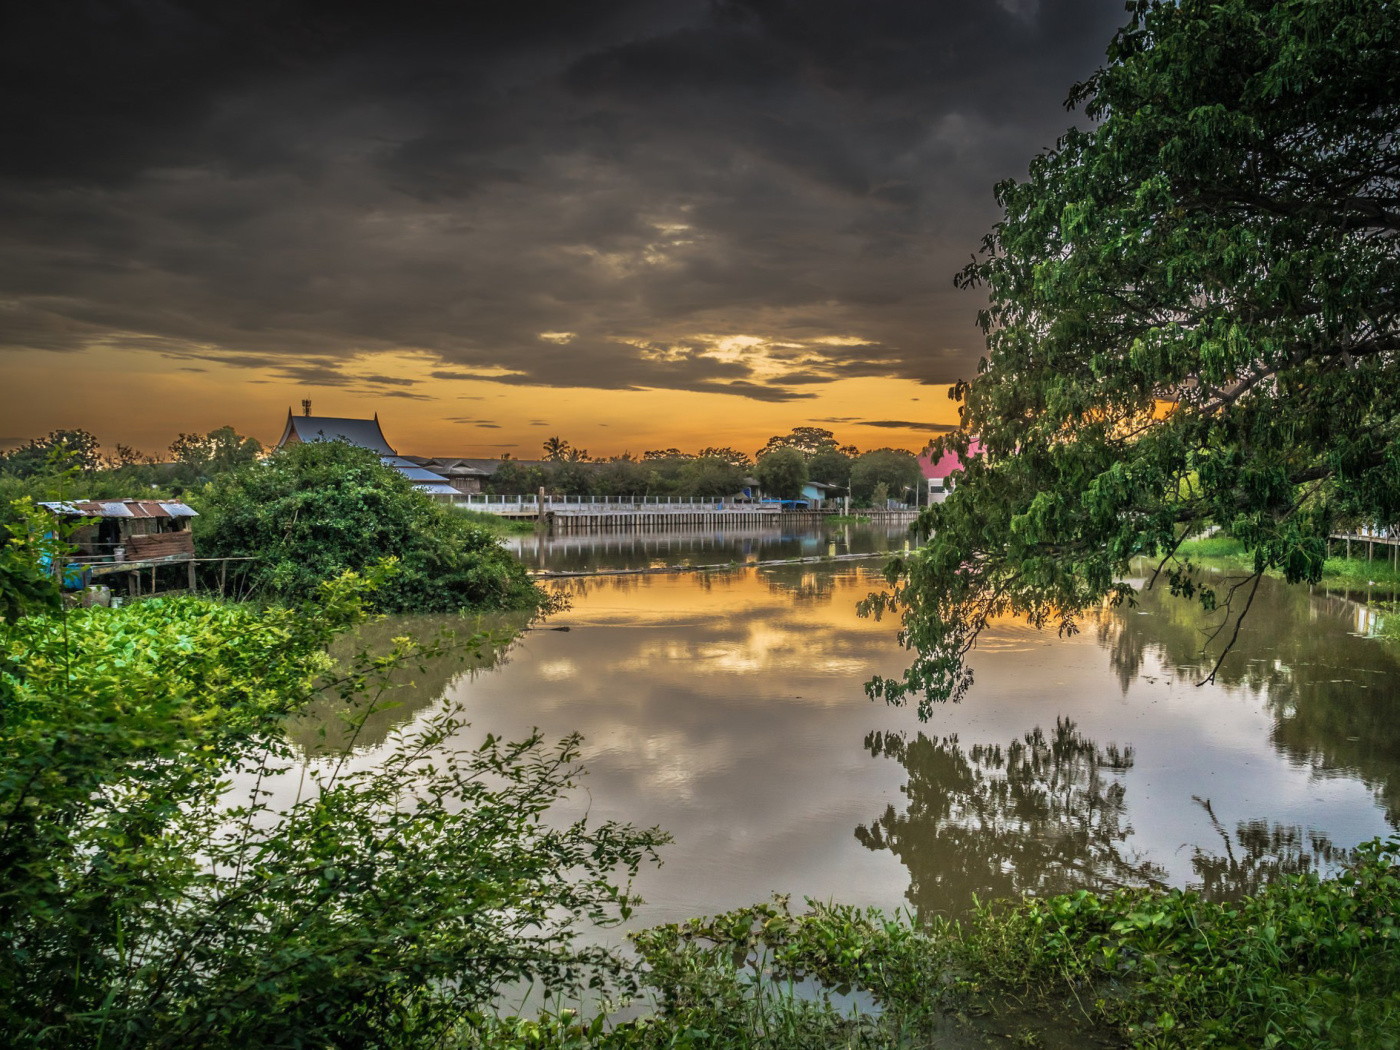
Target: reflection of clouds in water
[(556, 670), (731, 712)]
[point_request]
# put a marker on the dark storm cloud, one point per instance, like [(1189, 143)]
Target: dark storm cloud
[(567, 194)]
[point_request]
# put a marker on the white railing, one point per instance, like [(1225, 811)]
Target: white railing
[(506, 504)]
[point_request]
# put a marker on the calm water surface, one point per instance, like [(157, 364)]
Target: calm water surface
[(728, 708)]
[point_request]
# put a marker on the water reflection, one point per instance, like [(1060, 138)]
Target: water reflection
[(1334, 693), (1042, 815), (1261, 852), (728, 707), (325, 725), (659, 548)]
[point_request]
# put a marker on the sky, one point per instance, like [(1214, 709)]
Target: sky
[(634, 224)]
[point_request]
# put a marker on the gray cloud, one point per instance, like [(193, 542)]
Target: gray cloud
[(548, 192), (902, 424)]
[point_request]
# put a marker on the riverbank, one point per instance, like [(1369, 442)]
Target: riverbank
[(1338, 572)]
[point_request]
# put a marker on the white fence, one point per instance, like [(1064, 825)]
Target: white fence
[(589, 505)]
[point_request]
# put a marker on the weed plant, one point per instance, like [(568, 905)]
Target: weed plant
[(1307, 963)]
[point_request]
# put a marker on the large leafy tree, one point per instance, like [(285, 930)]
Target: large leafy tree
[(782, 473), (219, 450), (807, 440), (897, 471), (314, 510), (1192, 322), (61, 449)]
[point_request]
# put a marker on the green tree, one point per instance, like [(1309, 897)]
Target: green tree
[(314, 510), (782, 473), (622, 476), (897, 471), (569, 477), (807, 440), (77, 448), (729, 455), (513, 478), (710, 477), (556, 448), (1192, 322), (26, 583), (220, 450), (830, 465)]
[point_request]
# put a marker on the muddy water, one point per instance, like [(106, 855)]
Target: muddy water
[(728, 708)]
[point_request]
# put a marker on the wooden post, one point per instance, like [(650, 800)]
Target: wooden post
[(191, 566), (223, 576)]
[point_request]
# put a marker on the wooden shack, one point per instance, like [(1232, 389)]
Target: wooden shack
[(123, 538)]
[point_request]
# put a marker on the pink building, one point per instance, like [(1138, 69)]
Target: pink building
[(938, 476)]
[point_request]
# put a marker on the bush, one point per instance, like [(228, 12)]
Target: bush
[(143, 905), (315, 510)]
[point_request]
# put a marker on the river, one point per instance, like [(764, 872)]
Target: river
[(728, 708)]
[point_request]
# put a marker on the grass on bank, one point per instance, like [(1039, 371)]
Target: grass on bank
[(495, 523), (1338, 571), (847, 519), (1308, 963)]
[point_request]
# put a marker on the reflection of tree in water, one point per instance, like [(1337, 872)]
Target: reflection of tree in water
[(1042, 815), (1266, 852), (1334, 694), (322, 724), (818, 584)]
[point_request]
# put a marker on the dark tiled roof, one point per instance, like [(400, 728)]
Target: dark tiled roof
[(362, 432)]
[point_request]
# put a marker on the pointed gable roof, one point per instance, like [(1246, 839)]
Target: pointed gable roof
[(362, 432)]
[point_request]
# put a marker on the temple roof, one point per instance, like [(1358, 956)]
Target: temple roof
[(362, 432)]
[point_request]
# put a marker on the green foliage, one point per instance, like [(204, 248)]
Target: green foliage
[(807, 440), (493, 523), (623, 476), (897, 471), (569, 477), (710, 477), (142, 904), (513, 478), (78, 447), (1307, 963), (201, 456), (26, 586), (316, 509), (782, 473), (1193, 321), (830, 465)]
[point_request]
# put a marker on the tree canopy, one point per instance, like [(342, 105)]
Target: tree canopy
[(1192, 322), (782, 473), (897, 471), (77, 447), (317, 509), (807, 440)]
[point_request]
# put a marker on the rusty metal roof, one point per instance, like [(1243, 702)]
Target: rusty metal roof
[(122, 508)]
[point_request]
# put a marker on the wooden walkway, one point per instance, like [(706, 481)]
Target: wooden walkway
[(1371, 542)]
